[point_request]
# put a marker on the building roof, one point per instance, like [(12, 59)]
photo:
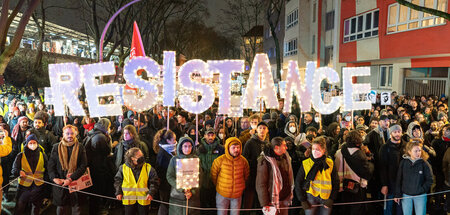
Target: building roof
[(256, 31)]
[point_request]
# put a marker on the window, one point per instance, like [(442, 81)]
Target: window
[(386, 76), (329, 22), (292, 19), (313, 45), (402, 18), (314, 12), (290, 47), (362, 26)]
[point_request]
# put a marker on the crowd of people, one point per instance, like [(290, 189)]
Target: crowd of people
[(267, 161)]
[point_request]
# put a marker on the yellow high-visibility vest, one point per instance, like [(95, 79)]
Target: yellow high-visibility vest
[(133, 190), (321, 185), (38, 173)]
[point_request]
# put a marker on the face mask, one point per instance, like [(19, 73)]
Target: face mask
[(292, 129), (317, 119), (348, 118), (221, 136), (140, 160), (317, 154), (32, 146), (253, 126)]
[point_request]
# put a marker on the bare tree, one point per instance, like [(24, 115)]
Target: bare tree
[(431, 11), (7, 52), (273, 13), (239, 17)]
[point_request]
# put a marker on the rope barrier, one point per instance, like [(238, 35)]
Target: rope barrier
[(228, 209), (12, 181)]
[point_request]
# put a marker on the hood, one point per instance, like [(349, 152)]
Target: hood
[(410, 129), (99, 127), (181, 142), (129, 114), (228, 142), (290, 134), (406, 156)]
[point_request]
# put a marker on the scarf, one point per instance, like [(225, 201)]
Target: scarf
[(320, 164), (66, 164), (128, 144), (277, 181), (89, 126), (169, 148), (446, 139), (16, 128)]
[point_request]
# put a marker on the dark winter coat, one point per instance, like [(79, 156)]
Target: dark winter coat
[(251, 152), (162, 163), (33, 159), (413, 177), (61, 195), (390, 157), (264, 179), (119, 151), (100, 163), (207, 154), (46, 139)]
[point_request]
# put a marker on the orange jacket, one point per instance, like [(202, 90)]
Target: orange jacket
[(5, 149), (229, 174)]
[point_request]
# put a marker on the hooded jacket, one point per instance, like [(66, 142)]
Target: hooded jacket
[(207, 154), (229, 173), (414, 177), (177, 195)]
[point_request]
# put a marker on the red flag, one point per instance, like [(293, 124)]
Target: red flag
[(137, 49)]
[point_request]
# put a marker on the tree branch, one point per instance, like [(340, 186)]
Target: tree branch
[(425, 9)]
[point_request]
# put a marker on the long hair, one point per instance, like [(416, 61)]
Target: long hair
[(413, 143), (133, 132), (161, 137)]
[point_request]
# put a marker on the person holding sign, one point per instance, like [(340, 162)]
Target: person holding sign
[(31, 162), (67, 163), (136, 183), (185, 150)]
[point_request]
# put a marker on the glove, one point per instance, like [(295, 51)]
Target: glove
[(329, 203), (306, 205)]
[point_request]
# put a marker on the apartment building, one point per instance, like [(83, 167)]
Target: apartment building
[(408, 51)]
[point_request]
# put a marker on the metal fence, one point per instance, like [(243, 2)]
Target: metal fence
[(425, 86)]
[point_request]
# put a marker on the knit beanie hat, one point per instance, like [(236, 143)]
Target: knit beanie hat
[(395, 127), (32, 137)]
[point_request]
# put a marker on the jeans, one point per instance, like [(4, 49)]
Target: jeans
[(225, 203), (419, 202), (316, 210)]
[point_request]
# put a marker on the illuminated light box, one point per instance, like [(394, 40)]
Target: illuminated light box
[(146, 95), (94, 91), (188, 172), (196, 94)]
